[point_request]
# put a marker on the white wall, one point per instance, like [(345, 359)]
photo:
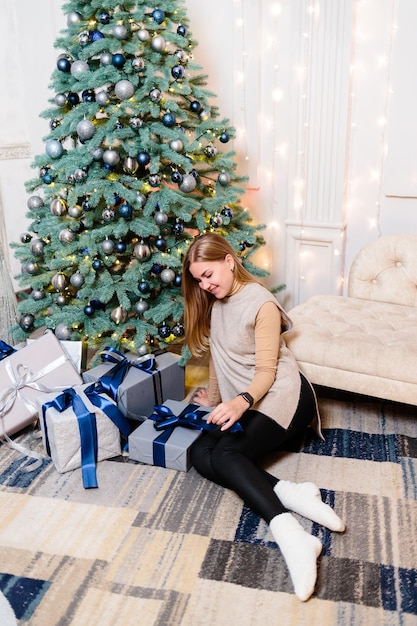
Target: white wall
[(314, 89)]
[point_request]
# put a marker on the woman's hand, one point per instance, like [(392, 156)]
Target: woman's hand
[(228, 413)]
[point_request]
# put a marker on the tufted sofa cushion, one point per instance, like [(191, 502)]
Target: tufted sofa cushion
[(365, 342)]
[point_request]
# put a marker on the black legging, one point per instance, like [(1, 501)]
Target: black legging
[(230, 459)]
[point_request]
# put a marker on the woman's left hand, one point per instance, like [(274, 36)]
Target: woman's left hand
[(228, 413)]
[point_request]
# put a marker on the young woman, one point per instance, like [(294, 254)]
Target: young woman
[(253, 379)]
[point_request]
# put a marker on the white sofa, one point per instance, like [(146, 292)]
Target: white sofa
[(365, 342)]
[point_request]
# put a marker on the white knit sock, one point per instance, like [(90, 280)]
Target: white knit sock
[(300, 551), (305, 499)]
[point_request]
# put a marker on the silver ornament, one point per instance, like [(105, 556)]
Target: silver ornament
[(61, 299), (143, 34), (160, 218), (102, 98), (62, 332), (142, 251), (79, 174), (120, 31), (36, 247), (135, 122), (97, 153), (111, 157), (38, 294), (224, 178), (26, 321), (59, 281), (78, 68), (158, 43), (58, 206), (60, 99), (107, 246), (77, 280), (73, 17), (34, 202), (176, 145), (130, 165), (124, 89), (188, 183), (31, 268), (204, 115), (167, 275), (75, 211), (141, 306), (140, 199), (66, 235), (118, 315), (108, 215), (155, 95), (84, 38), (138, 64), (154, 180), (106, 59), (85, 129), (143, 349), (182, 57), (211, 151), (54, 149)]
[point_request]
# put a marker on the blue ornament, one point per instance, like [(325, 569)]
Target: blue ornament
[(47, 179), (89, 310), (96, 35), (182, 30), (63, 64), (97, 265), (143, 158), (88, 95), (86, 206), (227, 212), (104, 17), (178, 228), (125, 211), (120, 247), (178, 330), (156, 269), (73, 99), (97, 305), (176, 177), (195, 106), (177, 72), (224, 137), (160, 243), (164, 331), (168, 119), (177, 280), (143, 286), (118, 60), (158, 16)]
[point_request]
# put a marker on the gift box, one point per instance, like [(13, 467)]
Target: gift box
[(163, 440), (76, 350), (29, 373), (5, 350), (138, 383), (81, 427)]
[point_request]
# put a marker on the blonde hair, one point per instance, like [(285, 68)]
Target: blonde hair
[(198, 302)]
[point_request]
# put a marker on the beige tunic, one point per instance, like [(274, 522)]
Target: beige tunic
[(248, 353)]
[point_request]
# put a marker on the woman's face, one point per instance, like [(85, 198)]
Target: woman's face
[(214, 276)]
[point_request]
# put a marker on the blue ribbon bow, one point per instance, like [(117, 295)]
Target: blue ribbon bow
[(166, 421), (5, 350), (111, 381)]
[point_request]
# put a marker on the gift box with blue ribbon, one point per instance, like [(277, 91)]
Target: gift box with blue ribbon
[(138, 383), (165, 438), (80, 427)]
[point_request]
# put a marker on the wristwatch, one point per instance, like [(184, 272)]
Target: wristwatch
[(246, 396)]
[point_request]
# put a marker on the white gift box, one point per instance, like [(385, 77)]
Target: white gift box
[(61, 432)]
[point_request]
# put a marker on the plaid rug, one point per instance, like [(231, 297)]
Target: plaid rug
[(156, 547)]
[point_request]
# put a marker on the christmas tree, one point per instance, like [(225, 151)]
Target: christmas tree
[(136, 164)]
